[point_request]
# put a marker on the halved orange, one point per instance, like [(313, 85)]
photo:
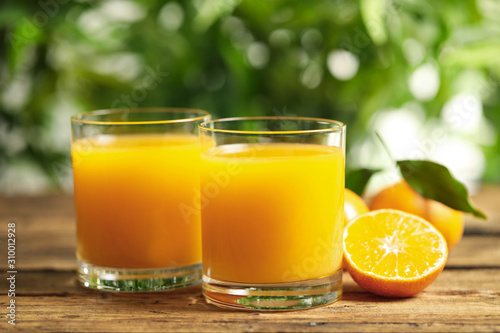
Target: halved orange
[(392, 253)]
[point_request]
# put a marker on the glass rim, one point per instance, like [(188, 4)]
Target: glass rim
[(340, 126), (79, 117)]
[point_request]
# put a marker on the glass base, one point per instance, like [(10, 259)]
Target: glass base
[(274, 297), (139, 280)]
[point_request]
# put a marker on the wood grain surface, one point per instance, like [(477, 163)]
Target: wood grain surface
[(464, 298)]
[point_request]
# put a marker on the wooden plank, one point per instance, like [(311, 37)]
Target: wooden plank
[(31, 207), (459, 301), (45, 231), (476, 251), (451, 281), (430, 314), (44, 242)]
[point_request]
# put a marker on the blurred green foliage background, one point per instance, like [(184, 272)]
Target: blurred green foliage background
[(422, 73)]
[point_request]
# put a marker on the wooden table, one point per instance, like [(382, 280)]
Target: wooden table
[(465, 297)]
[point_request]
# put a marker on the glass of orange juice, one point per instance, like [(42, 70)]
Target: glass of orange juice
[(136, 187), (272, 212)]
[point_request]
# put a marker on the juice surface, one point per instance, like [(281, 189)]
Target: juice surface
[(272, 212), (135, 200)]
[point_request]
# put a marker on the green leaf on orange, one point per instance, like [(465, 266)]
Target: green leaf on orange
[(434, 181)]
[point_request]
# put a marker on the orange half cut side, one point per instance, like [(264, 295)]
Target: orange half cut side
[(392, 253)]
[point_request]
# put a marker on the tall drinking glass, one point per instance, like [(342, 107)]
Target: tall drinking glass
[(136, 186), (272, 192)]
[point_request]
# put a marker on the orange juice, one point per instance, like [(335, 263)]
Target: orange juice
[(273, 212), (130, 191)]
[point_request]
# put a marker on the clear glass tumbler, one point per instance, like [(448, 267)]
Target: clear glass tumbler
[(272, 195), (136, 187)]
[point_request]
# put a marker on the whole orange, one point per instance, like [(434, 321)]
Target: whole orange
[(402, 196), (353, 206)]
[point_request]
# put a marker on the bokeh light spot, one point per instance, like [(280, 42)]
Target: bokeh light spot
[(343, 65), (311, 39), (413, 51), (122, 11), (171, 16), (258, 55), (280, 38), (463, 112), (424, 82), (311, 76)]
